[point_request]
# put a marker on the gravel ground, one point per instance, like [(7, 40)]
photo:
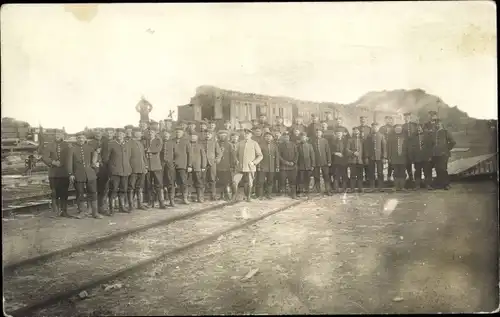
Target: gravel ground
[(417, 252)]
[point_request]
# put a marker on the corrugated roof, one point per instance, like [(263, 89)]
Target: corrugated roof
[(461, 165)]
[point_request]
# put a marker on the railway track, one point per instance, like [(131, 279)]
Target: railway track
[(41, 282)]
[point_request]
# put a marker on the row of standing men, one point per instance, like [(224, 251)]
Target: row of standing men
[(121, 166)]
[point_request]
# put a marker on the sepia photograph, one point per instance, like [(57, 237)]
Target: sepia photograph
[(267, 158)]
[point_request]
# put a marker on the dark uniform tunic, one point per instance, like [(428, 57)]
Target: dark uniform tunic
[(410, 132), (386, 130), (375, 151), (267, 168), (198, 163), (338, 148), (289, 156), (355, 144), (227, 162), (117, 156), (81, 161), (442, 144), (323, 161), (422, 154), (58, 175), (154, 177), (138, 164), (181, 160), (397, 154), (213, 155), (305, 165)]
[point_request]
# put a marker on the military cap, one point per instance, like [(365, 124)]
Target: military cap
[(355, 128), (432, 112), (235, 133), (279, 117), (136, 129), (205, 122), (182, 122), (302, 134), (285, 133), (129, 126), (268, 133), (248, 130), (256, 128), (120, 130), (208, 131), (80, 133), (223, 132), (388, 117), (363, 116), (407, 114), (374, 123), (179, 128), (319, 129), (313, 115)]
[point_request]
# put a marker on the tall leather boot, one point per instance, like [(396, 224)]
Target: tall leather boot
[(398, 184), (64, 208), (93, 207), (227, 191), (81, 206), (171, 196), (54, 207), (130, 200), (140, 199), (111, 206), (336, 186), (234, 188), (327, 187), (121, 203), (152, 197), (269, 191), (213, 193), (100, 204), (360, 185), (248, 193), (259, 191), (161, 199), (198, 195), (293, 192), (184, 195), (223, 194)]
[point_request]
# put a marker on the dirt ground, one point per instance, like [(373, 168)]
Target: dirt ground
[(417, 252)]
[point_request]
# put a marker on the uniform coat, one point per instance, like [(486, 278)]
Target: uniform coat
[(153, 149), (322, 154), (138, 162), (385, 129), (270, 158), (311, 129), (355, 144), (57, 151), (213, 151), (410, 129), (340, 146), (117, 157), (365, 131), (421, 147), (181, 153), (227, 160), (344, 130), (442, 143), (306, 159), (396, 149), (198, 157), (81, 160), (281, 128), (288, 153), (247, 151), (375, 147)]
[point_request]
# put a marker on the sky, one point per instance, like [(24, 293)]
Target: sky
[(88, 65)]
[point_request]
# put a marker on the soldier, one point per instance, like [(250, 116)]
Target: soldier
[(257, 135), (397, 155), (97, 143), (203, 127), (82, 160), (364, 131), (330, 122), (248, 155), (191, 128), (422, 154), (375, 153), (305, 164), (143, 125), (263, 122), (168, 125), (228, 126), (339, 126), (387, 130), (225, 165), (138, 165), (433, 118), (442, 144), (297, 125), (279, 126), (213, 156), (235, 138), (338, 148), (313, 126), (255, 123), (328, 133), (322, 162), (288, 156), (212, 126), (183, 126), (56, 156), (410, 132), (182, 161), (268, 166), (128, 132), (355, 159), (117, 157), (295, 135), (155, 169), (167, 161), (198, 165)]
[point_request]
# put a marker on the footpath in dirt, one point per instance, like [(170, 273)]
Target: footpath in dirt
[(416, 252)]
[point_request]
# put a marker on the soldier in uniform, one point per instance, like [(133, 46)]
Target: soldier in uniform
[(338, 148), (410, 132), (288, 156), (364, 131), (182, 161), (117, 157), (138, 164), (128, 132), (228, 126), (203, 127), (168, 125), (98, 142), (225, 165), (297, 125), (213, 156), (56, 156), (375, 153), (305, 164), (433, 119), (313, 126), (247, 155), (267, 167), (442, 144), (422, 154), (263, 122), (82, 160), (183, 125), (235, 138), (387, 130), (397, 155), (330, 122), (295, 135), (322, 162), (198, 165), (155, 169), (257, 135), (191, 128), (339, 126), (143, 125), (212, 126), (167, 161), (279, 126), (355, 159)]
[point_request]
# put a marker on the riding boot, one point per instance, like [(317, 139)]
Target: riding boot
[(93, 206), (360, 185), (399, 183), (269, 191), (198, 195), (234, 189), (130, 200), (327, 188), (213, 193), (161, 199), (140, 198), (184, 195), (111, 206), (248, 193), (293, 190), (228, 193), (54, 207), (64, 208), (171, 196), (121, 203), (152, 198), (259, 191)]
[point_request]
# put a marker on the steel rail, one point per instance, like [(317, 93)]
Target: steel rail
[(60, 296)]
